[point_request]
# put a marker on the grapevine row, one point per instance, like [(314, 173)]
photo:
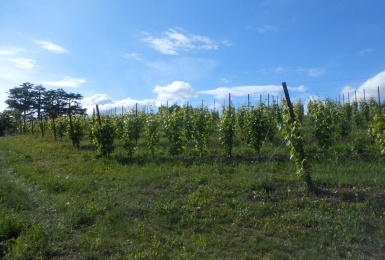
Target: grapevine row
[(188, 128)]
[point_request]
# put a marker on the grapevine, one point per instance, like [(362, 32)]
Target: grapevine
[(104, 134), (202, 129), (227, 129), (257, 127), (291, 130), (152, 132)]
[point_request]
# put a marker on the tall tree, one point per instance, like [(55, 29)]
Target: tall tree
[(20, 99), (38, 97)]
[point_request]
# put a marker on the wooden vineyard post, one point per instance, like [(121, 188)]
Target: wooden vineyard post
[(98, 115), (296, 145), (379, 100), (288, 101)]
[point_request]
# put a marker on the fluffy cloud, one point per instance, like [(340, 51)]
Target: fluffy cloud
[(68, 82), (176, 92), (106, 103), (48, 45), (370, 87), (173, 41), (242, 91), (98, 99)]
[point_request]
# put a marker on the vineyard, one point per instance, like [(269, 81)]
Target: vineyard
[(188, 131), (257, 181)]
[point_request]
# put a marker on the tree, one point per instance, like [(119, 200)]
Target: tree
[(7, 122), (37, 98), (31, 102), (20, 99)]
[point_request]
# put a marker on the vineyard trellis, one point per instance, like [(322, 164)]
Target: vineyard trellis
[(185, 130), (181, 125)]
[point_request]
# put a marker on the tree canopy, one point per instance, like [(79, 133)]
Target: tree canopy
[(34, 102)]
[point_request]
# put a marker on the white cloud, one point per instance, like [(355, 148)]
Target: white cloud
[(347, 90), (266, 28), (316, 72), (312, 72), (132, 55), (224, 80), (365, 52), (227, 43), (23, 63), (9, 50), (176, 92), (20, 62), (175, 40), (98, 99), (68, 82), (48, 45), (370, 87), (12, 76), (279, 70), (106, 103), (243, 91)]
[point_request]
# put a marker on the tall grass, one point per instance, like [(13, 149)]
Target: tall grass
[(58, 202)]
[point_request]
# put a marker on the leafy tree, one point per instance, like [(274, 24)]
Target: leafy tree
[(20, 99), (37, 100), (7, 122), (33, 102)]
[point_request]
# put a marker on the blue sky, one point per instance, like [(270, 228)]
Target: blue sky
[(149, 52)]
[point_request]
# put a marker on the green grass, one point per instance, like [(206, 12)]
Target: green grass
[(57, 202)]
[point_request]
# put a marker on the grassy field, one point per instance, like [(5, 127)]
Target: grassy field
[(58, 202)]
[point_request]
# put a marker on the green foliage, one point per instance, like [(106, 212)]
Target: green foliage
[(7, 123), (274, 115), (299, 110), (152, 132), (188, 122), (378, 131), (104, 135), (321, 117), (57, 203), (173, 128), (202, 129), (75, 130), (241, 118), (365, 111), (342, 120), (132, 126), (291, 130), (227, 128), (257, 126)]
